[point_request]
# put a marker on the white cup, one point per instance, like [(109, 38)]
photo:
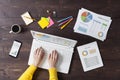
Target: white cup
[(15, 28)]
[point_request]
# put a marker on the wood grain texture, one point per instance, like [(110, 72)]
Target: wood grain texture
[(10, 11)]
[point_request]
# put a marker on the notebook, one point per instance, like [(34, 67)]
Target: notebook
[(27, 18), (64, 47), (90, 56)]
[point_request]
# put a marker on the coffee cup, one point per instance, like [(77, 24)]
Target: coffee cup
[(15, 28)]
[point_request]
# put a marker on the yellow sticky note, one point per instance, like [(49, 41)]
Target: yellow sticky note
[(43, 22)]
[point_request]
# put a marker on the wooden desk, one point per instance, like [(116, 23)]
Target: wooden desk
[(10, 11)]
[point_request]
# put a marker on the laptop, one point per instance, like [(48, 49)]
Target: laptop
[(64, 47)]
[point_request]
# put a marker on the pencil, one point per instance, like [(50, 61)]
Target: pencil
[(64, 19), (66, 24), (29, 18)]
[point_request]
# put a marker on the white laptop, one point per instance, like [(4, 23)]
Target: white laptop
[(64, 47)]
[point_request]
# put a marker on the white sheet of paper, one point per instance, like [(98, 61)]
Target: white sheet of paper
[(27, 18), (93, 24), (90, 56)]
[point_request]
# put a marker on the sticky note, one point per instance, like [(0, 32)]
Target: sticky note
[(48, 19), (51, 22), (44, 22), (27, 18)]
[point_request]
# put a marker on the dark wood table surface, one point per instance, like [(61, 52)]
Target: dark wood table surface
[(10, 11)]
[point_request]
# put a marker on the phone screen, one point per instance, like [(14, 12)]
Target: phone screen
[(15, 49)]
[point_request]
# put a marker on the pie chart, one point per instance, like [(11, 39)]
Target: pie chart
[(86, 17)]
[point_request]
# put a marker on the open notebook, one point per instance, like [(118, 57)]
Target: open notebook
[(64, 47)]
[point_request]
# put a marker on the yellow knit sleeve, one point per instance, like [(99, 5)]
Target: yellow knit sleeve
[(53, 74), (28, 74)]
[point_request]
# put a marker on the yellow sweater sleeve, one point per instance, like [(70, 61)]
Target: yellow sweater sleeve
[(53, 74), (28, 74)]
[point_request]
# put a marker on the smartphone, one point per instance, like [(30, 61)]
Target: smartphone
[(15, 48)]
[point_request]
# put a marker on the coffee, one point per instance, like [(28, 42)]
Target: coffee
[(15, 29)]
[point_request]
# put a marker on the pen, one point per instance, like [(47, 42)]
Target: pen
[(66, 24), (63, 22), (29, 18), (64, 19)]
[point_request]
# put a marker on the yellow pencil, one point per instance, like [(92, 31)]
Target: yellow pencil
[(29, 18), (66, 23)]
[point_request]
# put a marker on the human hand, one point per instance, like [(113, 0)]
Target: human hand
[(38, 56), (52, 59)]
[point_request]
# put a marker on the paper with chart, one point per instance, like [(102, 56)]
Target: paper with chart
[(90, 56), (92, 24), (65, 48)]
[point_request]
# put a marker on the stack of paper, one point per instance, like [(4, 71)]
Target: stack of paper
[(90, 56), (45, 22), (92, 24), (64, 47)]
